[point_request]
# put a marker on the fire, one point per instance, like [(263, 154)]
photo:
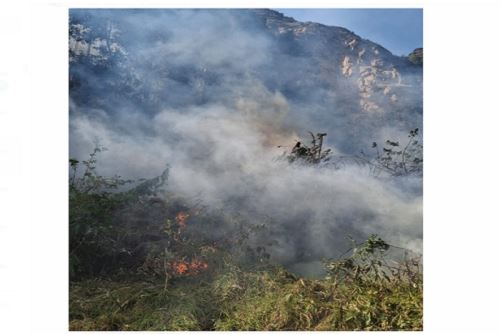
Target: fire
[(180, 267), (197, 265), (192, 267), (181, 219), (185, 267)]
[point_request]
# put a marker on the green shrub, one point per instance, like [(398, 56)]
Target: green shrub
[(123, 245), (92, 234)]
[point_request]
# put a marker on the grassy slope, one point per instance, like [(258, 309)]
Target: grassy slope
[(246, 300)]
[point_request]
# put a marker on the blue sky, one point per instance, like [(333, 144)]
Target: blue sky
[(398, 30)]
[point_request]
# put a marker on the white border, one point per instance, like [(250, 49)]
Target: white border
[(461, 170)]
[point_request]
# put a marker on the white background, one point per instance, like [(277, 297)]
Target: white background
[(461, 182)]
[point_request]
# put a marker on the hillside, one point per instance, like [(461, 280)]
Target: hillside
[(329, 77), (241, 170)]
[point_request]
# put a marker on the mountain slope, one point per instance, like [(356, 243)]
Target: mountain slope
[(331, 79), (220, 94)]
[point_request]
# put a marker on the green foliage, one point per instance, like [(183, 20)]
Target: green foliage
[(106, 305), (139, 230), (237, 299), (90, 182), (91, 207), (124, 246), (91, 231), (417, 56), (368, 262), (92, 237), (360, 293)]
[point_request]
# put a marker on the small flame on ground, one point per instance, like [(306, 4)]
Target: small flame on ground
[(180, 267), (192, 267), (181, 219)]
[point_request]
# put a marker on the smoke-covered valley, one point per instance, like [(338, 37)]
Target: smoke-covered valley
[(213, 93)]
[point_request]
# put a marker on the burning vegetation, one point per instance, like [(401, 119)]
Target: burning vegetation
[(181, 219), (225, 241), (139, 261), (192, 267), (185, 267)]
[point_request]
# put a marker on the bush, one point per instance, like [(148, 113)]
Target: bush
[(140, 261), (92, 233)]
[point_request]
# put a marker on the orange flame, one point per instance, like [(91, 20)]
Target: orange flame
[(181, 219), (197, 265), (180, 267), (189, 268)]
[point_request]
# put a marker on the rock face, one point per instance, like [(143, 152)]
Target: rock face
[(378, 75), (330, 78)]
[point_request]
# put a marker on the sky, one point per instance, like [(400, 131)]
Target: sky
[(398, 30)]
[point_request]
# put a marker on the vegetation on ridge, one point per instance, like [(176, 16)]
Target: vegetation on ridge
[(171, 274)]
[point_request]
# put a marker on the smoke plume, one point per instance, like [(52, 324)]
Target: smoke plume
[(213, 93)]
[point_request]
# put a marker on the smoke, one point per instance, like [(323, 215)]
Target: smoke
[(196, 90)]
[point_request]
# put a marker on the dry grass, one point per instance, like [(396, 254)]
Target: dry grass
[(246, 300)]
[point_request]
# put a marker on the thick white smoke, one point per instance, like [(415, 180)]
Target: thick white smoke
[(225, 153), (227, 158)]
